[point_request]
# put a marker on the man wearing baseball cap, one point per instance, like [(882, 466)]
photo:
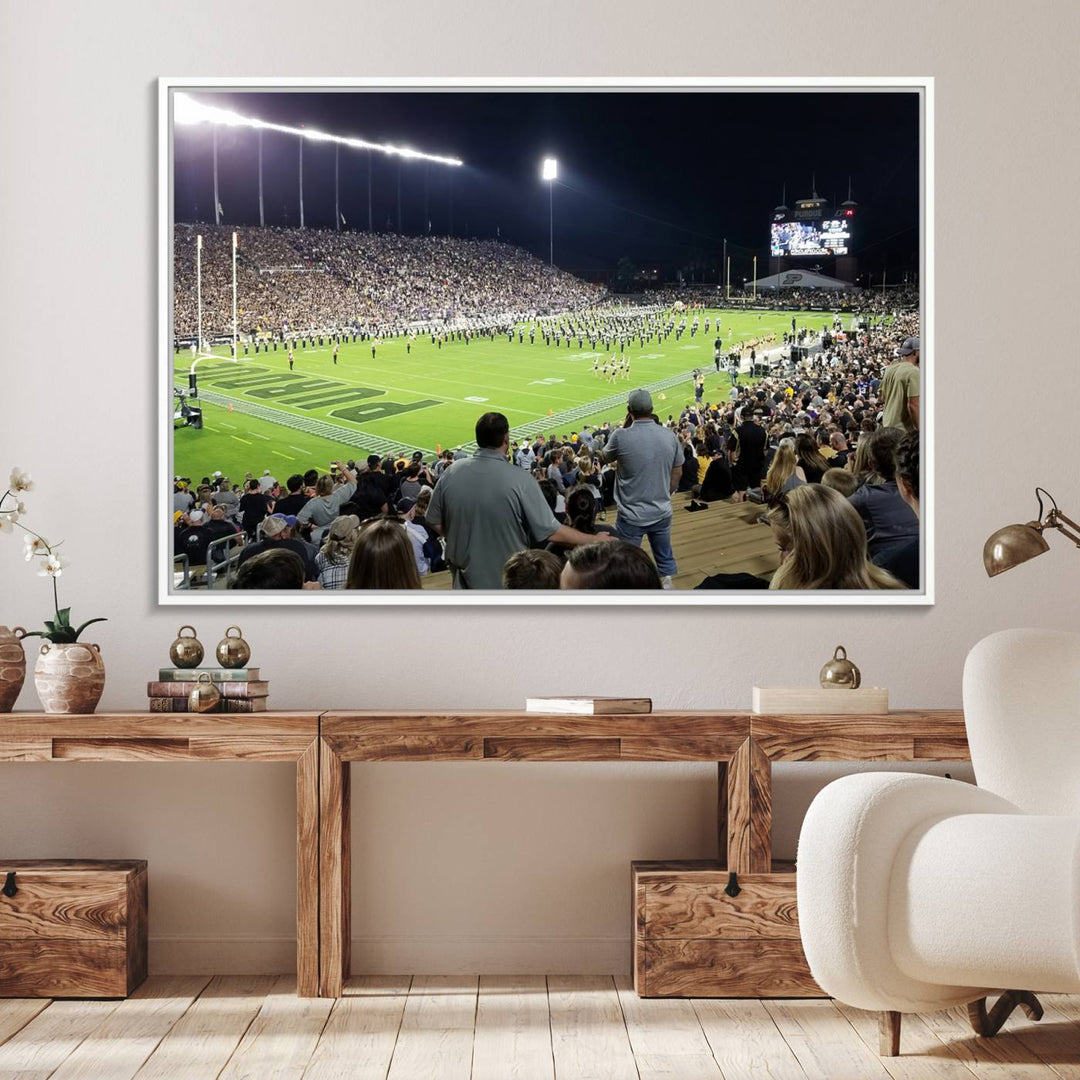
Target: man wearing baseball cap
[(648, 462), (277, 534), (900, 388)]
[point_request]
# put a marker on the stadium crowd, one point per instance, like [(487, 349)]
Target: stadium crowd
[(866, 301), (301, 279), (829, 447)]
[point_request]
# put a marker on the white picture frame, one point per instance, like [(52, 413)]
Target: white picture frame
[(167, 595)]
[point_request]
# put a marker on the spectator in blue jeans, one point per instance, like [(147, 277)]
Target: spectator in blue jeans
[(648, 463)]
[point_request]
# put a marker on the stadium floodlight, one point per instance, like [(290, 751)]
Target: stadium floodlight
[(186, 110), (549, 171)]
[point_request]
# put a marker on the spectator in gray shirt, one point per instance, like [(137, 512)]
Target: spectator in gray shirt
[(487, 510), (328, 501), (648, 461)]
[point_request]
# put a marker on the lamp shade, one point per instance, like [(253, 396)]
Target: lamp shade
[(1012, 545)]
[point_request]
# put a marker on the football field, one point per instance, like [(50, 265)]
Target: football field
[(260, 415)]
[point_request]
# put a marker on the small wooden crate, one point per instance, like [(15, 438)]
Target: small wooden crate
[(72, 928), (691, 939)]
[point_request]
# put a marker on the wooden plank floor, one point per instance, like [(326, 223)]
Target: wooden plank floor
[(523, 1027), (725, 539)]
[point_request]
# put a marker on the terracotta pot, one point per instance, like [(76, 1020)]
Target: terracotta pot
[(12, 666), (69, 678)]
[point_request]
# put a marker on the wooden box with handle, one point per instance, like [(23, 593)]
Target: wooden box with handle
[(701, 931), (72, 928)]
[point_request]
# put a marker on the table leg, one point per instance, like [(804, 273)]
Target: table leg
[(722, 813), (307, 872), (749, 810), (334, 872)]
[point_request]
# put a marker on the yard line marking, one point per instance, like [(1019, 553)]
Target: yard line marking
[(298, 449), (580, 412), (280, 454), (258, 436), (238, 439), (223, 424)]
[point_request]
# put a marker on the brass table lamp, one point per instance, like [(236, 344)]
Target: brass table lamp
[(1014, 544)]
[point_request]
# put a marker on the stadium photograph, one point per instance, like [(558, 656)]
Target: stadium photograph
[(585, 341)]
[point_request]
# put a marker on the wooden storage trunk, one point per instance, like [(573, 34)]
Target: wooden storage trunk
[(691, 939), (72, 928)]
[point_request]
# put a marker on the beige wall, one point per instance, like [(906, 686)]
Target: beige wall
[(500, 867)]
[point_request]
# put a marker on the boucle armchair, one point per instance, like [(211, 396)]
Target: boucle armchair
[(918, 893)]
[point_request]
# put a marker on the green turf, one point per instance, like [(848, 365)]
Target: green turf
[(422, 399)]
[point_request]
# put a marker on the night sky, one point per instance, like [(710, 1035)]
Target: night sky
[(658, 177)]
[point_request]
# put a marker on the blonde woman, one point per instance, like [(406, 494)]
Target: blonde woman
[(822, 543), (859, 463), (332, 562), (590, 477), (785, 473)]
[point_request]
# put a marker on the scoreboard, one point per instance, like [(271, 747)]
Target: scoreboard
[(825, 237)]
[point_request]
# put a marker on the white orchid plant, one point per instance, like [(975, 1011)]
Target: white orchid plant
[(51, 563)]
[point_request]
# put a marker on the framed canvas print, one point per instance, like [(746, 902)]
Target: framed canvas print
[(581, 341)]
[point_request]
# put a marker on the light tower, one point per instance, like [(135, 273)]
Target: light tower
[(550, 173)]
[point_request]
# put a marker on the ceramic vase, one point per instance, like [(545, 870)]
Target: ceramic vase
[(12, 666), (69, 678)]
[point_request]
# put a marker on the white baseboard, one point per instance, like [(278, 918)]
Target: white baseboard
[(429, 954)]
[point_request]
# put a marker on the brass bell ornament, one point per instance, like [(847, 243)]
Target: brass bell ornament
[(186, 652), (204, 695), (840, 673), (233, 652)]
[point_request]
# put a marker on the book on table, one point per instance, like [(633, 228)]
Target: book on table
[(225, 689), (228, 705), (588, 706)]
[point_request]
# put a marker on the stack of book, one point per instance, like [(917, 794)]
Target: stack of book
[(241, 689)]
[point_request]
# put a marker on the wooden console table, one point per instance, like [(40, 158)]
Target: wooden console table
[(742, 744), (260, 737)]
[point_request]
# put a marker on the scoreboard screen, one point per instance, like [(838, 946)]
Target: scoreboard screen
[(793, 238)]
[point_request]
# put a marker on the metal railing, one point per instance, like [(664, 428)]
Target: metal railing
[(222, 557), (184, 572), (230, 547)]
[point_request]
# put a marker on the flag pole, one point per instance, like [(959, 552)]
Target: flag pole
[(198, 286), (262, 217), (755, 277), (235, 357)]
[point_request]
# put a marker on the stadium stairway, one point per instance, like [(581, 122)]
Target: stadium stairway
[(725, 539)]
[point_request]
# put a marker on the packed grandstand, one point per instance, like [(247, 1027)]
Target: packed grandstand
[(798, 472), (300, 279)]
